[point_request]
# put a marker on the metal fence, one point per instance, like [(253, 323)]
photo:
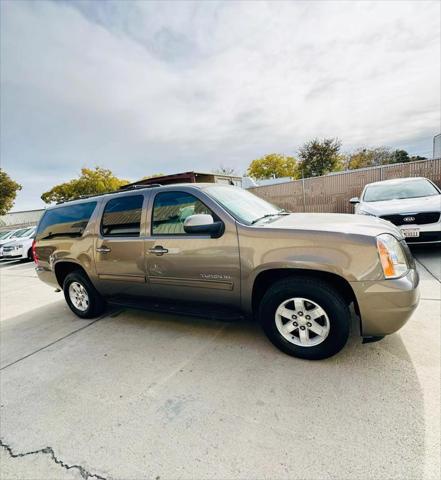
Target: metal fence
[(13, 220), (331, 193)]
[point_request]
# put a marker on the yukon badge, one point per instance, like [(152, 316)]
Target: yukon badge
[(409, 219)]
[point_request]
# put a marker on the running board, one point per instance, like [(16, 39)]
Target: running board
[(212, 312)]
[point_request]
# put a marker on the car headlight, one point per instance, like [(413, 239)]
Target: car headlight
[(392, 257), (17, 247)]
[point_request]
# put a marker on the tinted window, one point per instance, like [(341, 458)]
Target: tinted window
[(68, 221), (170, 211), (122, 217)]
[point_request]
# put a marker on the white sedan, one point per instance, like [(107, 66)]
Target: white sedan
[(413, 204), (21, 246)]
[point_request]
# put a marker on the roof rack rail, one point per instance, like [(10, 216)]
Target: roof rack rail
[(139, 187), (122, 189)]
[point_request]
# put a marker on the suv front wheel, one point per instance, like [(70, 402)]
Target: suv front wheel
[(305, 318), (81, 296)]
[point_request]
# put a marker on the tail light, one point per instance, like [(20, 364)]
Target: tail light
[(34, 252)]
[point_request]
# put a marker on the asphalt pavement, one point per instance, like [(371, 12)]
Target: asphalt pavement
[(139, 395)]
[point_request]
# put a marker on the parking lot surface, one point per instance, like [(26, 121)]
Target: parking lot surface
[(139, 395)]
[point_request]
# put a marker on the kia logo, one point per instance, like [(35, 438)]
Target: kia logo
[(409, 219)]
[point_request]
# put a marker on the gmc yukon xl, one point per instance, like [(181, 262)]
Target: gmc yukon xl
[(220, 251)]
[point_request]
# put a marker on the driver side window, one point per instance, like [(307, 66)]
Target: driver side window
[(170, 209)]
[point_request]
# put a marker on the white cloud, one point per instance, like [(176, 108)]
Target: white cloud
[(142, 87)]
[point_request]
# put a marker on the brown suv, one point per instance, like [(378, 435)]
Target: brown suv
[(220, 251)]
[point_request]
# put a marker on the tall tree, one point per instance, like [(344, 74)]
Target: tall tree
[(415, 158), (399, 156), (8, 192), (273, 165), (319, 157), (90, 182), (373, 157)]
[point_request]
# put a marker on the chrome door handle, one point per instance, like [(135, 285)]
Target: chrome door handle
[(158, 250), (103, 249)]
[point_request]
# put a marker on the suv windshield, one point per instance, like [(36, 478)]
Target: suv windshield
[(407, 189), (243, 205)]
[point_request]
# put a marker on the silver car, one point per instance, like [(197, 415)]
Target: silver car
[(413, 204)]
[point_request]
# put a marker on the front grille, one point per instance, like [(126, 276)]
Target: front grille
[(8, 249), (413, 218)]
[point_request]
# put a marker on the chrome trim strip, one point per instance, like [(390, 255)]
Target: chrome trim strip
[(191, 282), (123, 278)]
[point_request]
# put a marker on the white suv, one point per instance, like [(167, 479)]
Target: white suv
[(21, 246)]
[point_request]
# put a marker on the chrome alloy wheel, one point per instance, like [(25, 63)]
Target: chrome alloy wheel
[(302, 322), (78, 296)]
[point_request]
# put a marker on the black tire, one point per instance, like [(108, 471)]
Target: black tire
[(30, 255), (322, 294), (96, 304)]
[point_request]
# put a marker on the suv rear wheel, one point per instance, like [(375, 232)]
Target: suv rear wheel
[(305, 318), (81, 296)]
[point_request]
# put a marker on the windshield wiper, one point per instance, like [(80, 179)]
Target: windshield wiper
[(280, 212)]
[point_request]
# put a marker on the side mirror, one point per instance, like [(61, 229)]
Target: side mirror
[(203, 224), (354, 200)]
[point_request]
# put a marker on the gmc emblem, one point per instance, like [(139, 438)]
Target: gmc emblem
[(409, 219)]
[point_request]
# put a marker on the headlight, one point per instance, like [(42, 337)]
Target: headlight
[(17, 247), (392, 256)]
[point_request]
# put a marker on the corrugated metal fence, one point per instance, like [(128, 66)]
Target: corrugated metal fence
[(331, 193)]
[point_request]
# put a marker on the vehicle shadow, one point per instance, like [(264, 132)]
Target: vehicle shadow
[(429, 256), (220, 390), (9, 263)]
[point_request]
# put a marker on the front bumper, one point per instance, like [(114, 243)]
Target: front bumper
[(429, 233), (386, 305), (15, 253)]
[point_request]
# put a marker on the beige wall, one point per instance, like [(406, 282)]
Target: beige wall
[(331, 193)]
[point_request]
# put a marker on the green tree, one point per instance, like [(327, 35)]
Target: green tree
[(415, 158), (399, 156), (90, 182), (273, 165), (319, 157), (8, 192), (368, 157), (373, 157)]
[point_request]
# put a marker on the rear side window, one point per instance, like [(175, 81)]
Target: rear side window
[(68, 221), (122, 217)]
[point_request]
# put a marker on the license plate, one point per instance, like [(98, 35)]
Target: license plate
[(411, 232)]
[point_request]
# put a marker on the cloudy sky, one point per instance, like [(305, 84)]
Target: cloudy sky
[(146, 87)]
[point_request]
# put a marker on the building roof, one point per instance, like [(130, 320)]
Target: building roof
[(183, 177)]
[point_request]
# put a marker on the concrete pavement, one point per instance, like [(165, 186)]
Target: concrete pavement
[(139, 395)]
